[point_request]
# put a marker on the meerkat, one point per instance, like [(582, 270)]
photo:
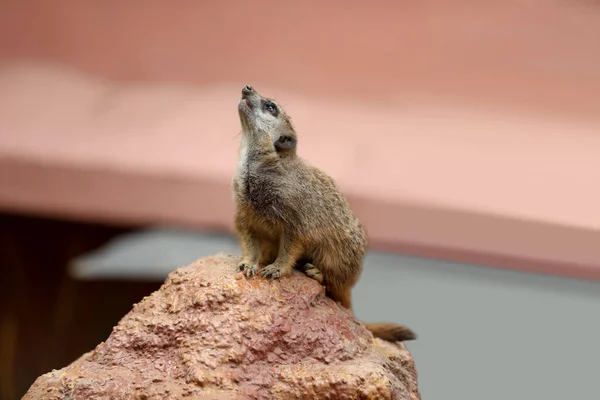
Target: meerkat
[(290, 214)]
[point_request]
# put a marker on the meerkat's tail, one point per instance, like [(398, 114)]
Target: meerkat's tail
[(391, 332)]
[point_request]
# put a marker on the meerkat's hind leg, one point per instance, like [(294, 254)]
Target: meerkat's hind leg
[(341, 294), (313, 272)]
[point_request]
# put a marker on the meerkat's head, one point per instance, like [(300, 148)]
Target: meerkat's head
[(263, 116)]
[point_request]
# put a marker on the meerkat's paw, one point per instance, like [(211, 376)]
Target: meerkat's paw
[(313, 272), (273, 271), (248, 268)]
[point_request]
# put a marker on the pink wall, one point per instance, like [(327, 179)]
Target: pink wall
[(461, 130), (517, 54)]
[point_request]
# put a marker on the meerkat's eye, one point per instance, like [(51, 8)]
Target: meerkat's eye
[(271, 108)]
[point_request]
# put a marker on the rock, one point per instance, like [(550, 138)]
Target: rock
[(210, 333)]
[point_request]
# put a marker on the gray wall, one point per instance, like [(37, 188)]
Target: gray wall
[(487, 333)]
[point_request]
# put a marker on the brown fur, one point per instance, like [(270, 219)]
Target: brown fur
[(290, 214)]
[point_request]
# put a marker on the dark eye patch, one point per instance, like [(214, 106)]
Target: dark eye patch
[(271, 108), (285, 142)]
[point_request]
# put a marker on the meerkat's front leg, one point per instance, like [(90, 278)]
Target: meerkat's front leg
[(250, 253), (290, 251)]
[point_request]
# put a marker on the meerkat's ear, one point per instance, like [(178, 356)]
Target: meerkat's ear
[(285, 141)]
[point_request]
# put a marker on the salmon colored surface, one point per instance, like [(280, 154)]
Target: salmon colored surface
[(458, 130)]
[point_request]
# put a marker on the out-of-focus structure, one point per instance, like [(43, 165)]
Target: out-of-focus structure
[(460, 130)]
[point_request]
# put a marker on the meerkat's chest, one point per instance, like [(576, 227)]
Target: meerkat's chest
[(249, 180), (247, 168), (249, 161)]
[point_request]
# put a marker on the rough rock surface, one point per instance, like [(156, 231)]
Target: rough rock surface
[(209, 333)]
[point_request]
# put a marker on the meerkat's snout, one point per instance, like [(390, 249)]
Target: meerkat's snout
[(247, 90), (249, 95), (250, 98), (247, 107)]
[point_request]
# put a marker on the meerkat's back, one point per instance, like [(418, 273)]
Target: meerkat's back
[(335, 240)]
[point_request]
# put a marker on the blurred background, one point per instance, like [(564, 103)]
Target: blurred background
[(464, 133)]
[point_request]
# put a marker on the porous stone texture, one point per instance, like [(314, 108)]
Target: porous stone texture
[(211, 333)]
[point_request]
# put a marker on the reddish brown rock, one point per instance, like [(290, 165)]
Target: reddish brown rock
[(209, 333)]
